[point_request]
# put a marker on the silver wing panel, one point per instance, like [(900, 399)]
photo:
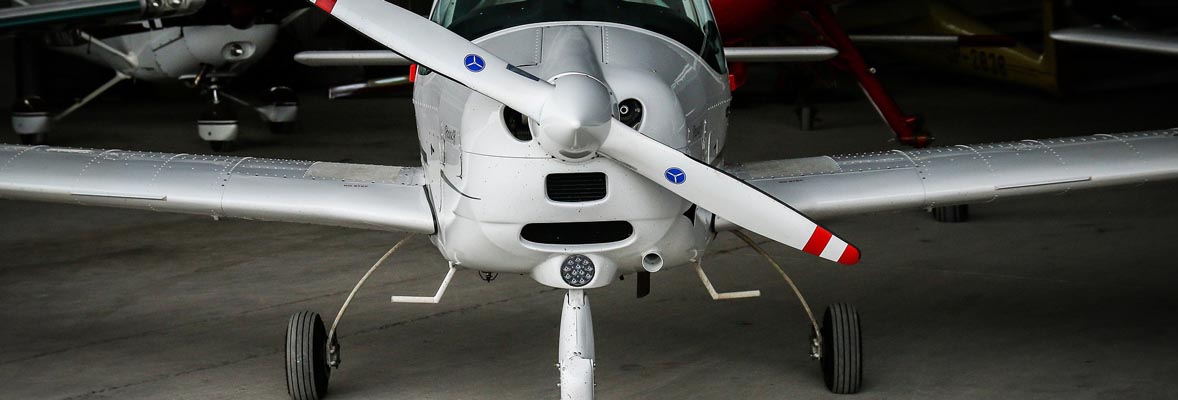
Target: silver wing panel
[(350, 195), (897, 180)]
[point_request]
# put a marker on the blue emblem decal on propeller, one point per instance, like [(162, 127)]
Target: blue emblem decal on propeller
[(474, 63), (675, 175)]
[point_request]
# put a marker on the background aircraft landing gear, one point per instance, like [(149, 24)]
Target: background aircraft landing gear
[(31, 121), (951, 214), (841, 349), (281, 109), (218, 124), (307, 371)]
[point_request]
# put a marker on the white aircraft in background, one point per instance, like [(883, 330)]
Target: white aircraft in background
[(576, 142), (135, 40)]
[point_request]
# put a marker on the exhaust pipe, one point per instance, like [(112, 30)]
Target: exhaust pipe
[(652, 261)]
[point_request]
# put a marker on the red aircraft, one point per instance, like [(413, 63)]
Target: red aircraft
[(742, 21)]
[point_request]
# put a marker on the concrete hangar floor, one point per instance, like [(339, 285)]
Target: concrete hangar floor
[(1058, 297)]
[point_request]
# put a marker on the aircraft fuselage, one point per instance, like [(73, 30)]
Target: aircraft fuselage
[(504, 204)]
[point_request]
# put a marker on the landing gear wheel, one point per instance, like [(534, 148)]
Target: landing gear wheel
[(307, 371), (31, 121), (35, 139), (218, 126), (951, 214), (842, 349), (282, 109)]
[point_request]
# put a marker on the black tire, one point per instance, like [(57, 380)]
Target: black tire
[(221, 146), (842, 349), (951, 214), (307, 372), (34, 139)]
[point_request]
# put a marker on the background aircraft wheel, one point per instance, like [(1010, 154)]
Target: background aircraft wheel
[(842, 349), (951, 214), (35, 139), (218, 126), (282, 109), (31, 120), (307, 371)]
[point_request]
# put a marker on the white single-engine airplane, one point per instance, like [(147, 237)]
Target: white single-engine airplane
[(575, 141)]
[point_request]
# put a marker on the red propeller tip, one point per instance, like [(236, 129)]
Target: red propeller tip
[(325, 5), (850, 256)]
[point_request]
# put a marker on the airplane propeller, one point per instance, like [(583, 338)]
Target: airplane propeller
[(575, 123)]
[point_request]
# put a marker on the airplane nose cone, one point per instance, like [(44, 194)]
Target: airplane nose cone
[(576, 119)]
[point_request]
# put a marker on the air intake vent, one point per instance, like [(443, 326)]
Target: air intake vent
[(571, 188), (577, 232), (576, 187)]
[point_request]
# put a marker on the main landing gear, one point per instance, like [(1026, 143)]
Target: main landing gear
[(837, 343), (307, 370), (839, 348), (32, 121), (312, 351)]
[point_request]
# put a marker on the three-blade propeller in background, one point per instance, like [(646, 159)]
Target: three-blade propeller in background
[(450, 55)]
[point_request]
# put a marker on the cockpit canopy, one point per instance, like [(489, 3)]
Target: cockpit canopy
[(688, 22)]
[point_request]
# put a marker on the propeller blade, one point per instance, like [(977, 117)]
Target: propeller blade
[(426, 43), (723, 194)]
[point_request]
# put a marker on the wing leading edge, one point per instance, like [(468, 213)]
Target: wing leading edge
[(823, 187), (349, 195)]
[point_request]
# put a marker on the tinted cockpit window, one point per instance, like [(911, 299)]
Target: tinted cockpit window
[(685, 21)]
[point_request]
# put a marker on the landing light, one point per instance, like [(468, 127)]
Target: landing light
[(577, 270)]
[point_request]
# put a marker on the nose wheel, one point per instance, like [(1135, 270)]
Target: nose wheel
[(841, 349), (307, 371)]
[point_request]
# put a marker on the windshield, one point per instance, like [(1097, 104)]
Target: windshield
[(686, 21)]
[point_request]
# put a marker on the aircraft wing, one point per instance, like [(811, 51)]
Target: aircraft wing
[(324, 193), (823, 187), (1119, 39)]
